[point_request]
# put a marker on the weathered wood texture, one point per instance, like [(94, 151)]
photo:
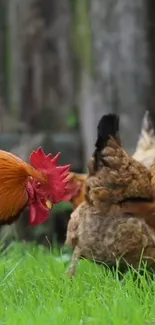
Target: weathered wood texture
[(121, 80), (41, 74), (95, 57)]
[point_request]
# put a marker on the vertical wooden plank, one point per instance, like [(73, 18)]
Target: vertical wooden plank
[(14, 85)]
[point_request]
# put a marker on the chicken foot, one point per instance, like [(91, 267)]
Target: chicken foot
[(75, 258)]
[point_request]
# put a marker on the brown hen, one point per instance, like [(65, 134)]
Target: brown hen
[(103, 228), (144, 153)]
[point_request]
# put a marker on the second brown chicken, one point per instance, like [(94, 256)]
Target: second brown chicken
[(144, 153), (110, 224)]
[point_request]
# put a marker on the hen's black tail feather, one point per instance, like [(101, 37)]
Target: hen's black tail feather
[(108, 126)]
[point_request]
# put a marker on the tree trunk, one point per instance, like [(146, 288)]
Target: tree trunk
[(151, 42), (41, 85), (58, 82), (3, 54), (121, 78)]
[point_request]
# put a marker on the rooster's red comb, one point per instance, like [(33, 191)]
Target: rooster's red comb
[(56, 175)]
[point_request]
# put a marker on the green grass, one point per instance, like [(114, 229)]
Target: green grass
[(35, 290)]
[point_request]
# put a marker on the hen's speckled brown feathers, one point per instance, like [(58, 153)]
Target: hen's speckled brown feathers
[(116, 172), (145, 153), (107, 225), (106, 239)]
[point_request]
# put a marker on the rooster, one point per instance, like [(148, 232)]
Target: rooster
[(107, 226), (38, 186)]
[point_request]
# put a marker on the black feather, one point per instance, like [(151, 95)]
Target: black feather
[(108, 126)]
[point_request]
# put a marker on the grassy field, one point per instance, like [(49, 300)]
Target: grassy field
[(35, 290)]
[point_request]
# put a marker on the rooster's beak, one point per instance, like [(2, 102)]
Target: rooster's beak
[(49, 204)]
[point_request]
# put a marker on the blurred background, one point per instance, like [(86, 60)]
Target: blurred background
[(63, 64)]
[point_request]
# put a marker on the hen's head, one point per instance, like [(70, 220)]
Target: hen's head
[(42, 196)]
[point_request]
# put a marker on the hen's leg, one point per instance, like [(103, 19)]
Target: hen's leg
[(149, 256), (75, 258)]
